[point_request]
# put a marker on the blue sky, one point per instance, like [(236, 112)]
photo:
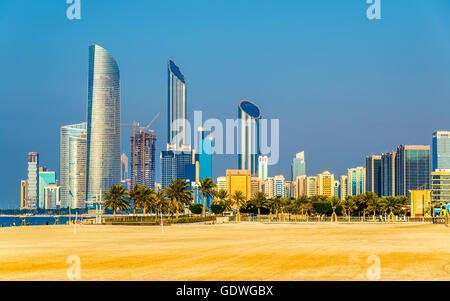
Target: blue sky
[(342, 86)]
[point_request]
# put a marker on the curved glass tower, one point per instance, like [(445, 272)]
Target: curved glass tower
[(248, 141), (176, 106), (103, 123)]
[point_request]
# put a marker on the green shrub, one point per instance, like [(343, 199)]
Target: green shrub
[(196, 208), (218, 208)]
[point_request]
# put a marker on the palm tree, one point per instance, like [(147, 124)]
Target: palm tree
[(259, 201), (276, 204), (349, 205), (134, 196), (221, 197), (179, 195), (239, 200), (116, 198), (207, 188), (372, 202), (160, 202)]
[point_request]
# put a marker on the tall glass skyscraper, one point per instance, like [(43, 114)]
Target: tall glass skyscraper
[(176, 107), (388, 174), (249, 115), (412, 168), (441, 150), (33, 180), (298, 166), (263, 171), (73, 165), (356, 180), (373, 174), (103, 123), (46, 178)]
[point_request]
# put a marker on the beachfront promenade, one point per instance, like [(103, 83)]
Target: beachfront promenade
[(234, 251)]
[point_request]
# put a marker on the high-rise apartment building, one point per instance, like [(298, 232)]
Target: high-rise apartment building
[(440, 150), (256, 185), (173, 166), (142, 158), (52, 194), (249, 115), (221, 183), (325, 184), (388, 174), (23, 194), (73, 160), (263, 167), (298, 166), (103, 123), (440, 186), (356, 180), (33, 180), (343, 188), (412, 168), (176, 107), (373, 174), (311, 186), (279, 187)]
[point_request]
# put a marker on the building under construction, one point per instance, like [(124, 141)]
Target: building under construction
[(142, 159)]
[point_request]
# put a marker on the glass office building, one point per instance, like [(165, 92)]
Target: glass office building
[(73, 151), (298, 166), (387, 171), (176, 106), (412, 168), (441, 150), (373, 174), (173, 166), (45, 178), (249, 115), (103, 123)]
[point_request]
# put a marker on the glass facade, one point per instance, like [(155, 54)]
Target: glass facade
[(249, 115), (77, 170), (356, 180), (73, 151), (440, 186), (173, 166), (387, 171), (103, 123), (412, 168), (176, 106), (298, 166), (263, 172), (33, 180), (441, 150), (373, 174), (45, 178)]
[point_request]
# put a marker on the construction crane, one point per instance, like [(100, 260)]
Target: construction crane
[(154, 118)]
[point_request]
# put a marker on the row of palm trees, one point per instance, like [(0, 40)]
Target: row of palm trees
[(363, 204), (173, 199)]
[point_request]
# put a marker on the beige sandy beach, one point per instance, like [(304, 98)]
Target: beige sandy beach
[(229, 252)]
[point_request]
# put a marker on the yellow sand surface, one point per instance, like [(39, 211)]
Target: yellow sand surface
[(245, 251)]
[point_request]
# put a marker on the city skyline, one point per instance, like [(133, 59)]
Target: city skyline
[(350, 151)]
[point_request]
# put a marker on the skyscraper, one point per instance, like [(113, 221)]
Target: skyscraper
[(142, 159), (33, 180), (103, 123), (124, 167), (298, 166), (24, 194), (263, 167), (176, 106), (279, 187), (441, 150), (173, 166), (205, 154), (356, 180), (73, 164), (388, 174), (412, 168), (343, 188), (373, 174), (249, 115)]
